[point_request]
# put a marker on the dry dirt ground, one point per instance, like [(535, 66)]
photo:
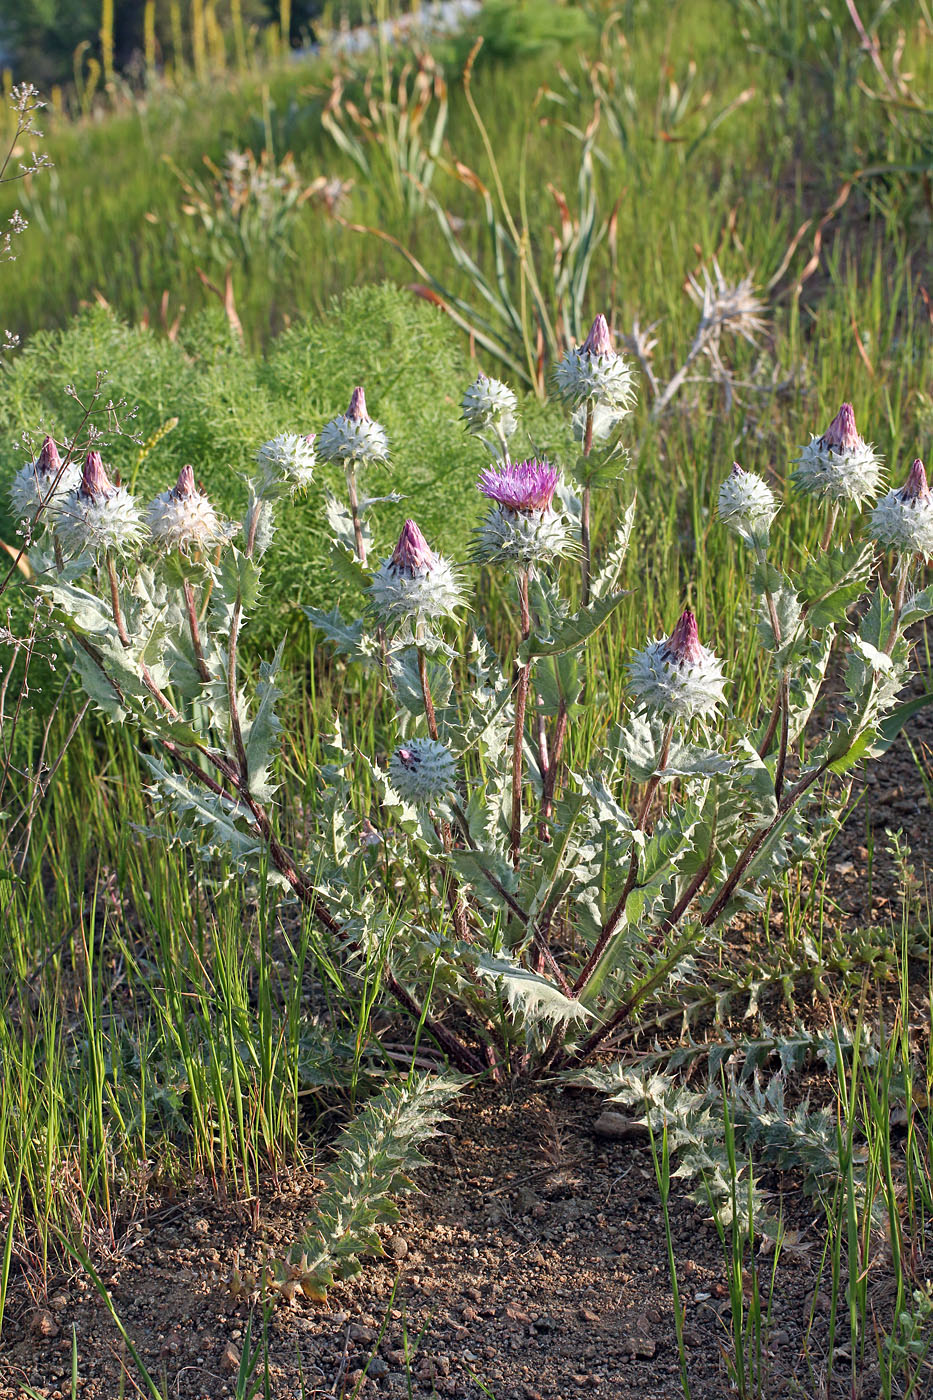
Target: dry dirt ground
[(532, 1262)]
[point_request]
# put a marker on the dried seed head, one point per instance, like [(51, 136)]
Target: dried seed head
[(903, 519), (839, 465), (423, 771), (181, 518), (747, 506), (44, 482), (676, 677)]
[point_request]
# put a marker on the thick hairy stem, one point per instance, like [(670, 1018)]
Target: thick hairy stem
[(830, 527), (786, 804), (587, 560), (451, 884), (355, 512), (782, 704), (115, 601), (518, 738), (550, 781), (236, 731), (426, 693), (195, 631), (615, 918), (903, 566)]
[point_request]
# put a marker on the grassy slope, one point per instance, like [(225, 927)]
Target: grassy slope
[(762, 173)]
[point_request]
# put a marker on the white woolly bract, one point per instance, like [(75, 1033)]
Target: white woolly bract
[(30, 488), (489, 403), (906, 526), (289, 456), (521, 539), (747, 506), (606, 379), (186, 522), (427, 595), (676, 689), (853, 475), (86, 525), (422, 771), (346, 439)]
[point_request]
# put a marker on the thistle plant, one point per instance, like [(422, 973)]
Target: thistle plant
[(524, 898)]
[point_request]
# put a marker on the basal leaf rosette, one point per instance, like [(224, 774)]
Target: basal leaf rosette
[(289, 458), (97, 517), (354, 437), (840, 466), (422, 771), (747, 506), (676, 677), (903, 519), (489, 406), (184, 519), (522, 531), (596, 373), (44, 482), (415, 585)]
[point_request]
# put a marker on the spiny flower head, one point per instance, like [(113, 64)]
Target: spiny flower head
[(489, 404), (422, 771), (289, 457), (42, 482), (676, 677), (903, 519), (747, 506), (97, 516), (181, 518), (595, 373), (415, 585), (520, 486), (839, 465), (354, 436)]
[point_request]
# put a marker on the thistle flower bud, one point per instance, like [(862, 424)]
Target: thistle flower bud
[(677, 677), (423, 771), (903, 519), (354, 436), (839, 466), (522, 531), (97, 516), (415, 585), (488, 405), (42, 482), (289, 457), (747, 506), (181, 518), (595, 373)]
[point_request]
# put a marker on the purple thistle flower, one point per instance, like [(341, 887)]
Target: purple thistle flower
[(357, 409), (599, 340), (842, 434), (683, 645), (94, 480), (413, 555), (520, 486), (915, 488)]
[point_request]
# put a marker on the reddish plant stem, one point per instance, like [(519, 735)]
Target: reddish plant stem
[(615, 917), (195, 631), (518, 739), (355, 512), (550, 782)]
